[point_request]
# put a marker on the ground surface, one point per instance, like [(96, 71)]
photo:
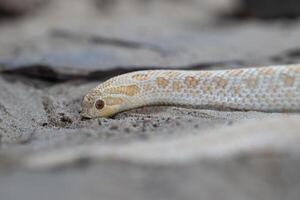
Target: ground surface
[(52, 57)]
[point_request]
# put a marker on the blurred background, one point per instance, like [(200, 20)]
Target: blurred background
[(92, 35)]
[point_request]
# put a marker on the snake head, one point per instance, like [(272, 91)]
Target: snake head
[(94, 106), (107, 101)]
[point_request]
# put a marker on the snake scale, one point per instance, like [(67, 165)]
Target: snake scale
[(270, 89)]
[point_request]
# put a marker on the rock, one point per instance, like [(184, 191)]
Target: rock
[(269, 9), (251, 158), (19, 7), (57, 52)]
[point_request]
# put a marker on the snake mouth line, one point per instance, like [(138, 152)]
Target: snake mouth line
[(85, 116)]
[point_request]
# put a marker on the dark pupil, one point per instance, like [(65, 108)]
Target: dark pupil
[(99, 104)]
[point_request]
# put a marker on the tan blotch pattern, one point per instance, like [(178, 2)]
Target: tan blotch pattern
[(235, 72), (251, 83), (220, 83), (129, 90), (206, 88), (170, 74), (176, 86), (204, 74), (236, 90), (147, 87), (266, 71), (294, 69), (288, 80), (191, 82), (112, 101), (162, 82), (140, 77)]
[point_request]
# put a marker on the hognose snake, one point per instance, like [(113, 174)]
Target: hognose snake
[(271, 89)]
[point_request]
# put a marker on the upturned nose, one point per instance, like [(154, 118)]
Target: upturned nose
[(84, 115)]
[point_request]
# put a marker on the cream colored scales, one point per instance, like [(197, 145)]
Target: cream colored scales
[(272, 89)]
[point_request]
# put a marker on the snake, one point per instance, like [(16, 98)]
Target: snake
[(274, 88)]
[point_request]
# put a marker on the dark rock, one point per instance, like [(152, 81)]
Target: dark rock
[(269, 9), (19, 7)]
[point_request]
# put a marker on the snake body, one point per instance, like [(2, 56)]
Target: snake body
[(271, 89)]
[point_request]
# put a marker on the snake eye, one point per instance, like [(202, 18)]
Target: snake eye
[(99, 104)]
